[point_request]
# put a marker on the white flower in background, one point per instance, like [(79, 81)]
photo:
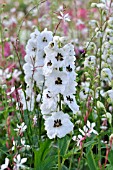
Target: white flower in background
[(15, 144), (90, 61), (84, 90), (5, 166), (16, 74), (110, 94), (79, 139), (106, 74), (38, 98), (21, 128), (88, 129), (64, 17), (58, 124), (28, 102), (12, 90), (19, 162), (24, 147), (34, 120)]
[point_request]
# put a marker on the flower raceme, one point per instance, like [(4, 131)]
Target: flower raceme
[(50, 62)]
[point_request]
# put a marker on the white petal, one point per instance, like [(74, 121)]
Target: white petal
[(59, 17), (82, 132), (88, 124), (61, 13), (23, 160), (3, 167), (6, 161), (18, 158)]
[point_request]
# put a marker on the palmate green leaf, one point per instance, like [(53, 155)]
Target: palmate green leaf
[(43, 158), (91, 161)]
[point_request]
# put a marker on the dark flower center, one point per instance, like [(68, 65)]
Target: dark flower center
[(52, 44), (58, 81), (44, 55), (57, 123), (47, 95), (84, 92), (28, 99), (44, 39), (59, 57), (89, 59), (69, 99), (34, 49), (49, 63), (68, 68)]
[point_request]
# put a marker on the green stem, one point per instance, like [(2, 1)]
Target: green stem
[(59, 161), (100, 68)]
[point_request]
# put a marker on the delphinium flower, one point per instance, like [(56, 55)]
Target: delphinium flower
[(58, 124), (59, 72), (34, 58), (28, 100), (90, 61), (84, 90)]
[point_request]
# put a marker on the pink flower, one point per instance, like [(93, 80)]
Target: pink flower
[(7, 50), (82, 13)]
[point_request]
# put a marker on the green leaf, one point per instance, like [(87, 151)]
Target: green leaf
[(109, 167), (91, 160), (110, 157), (63, 145), (43, 158)]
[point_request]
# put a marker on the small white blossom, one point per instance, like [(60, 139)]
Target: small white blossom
[(64, 17), (88, 129), (14, 145), (21, 128), (19, 162), (5, 166)]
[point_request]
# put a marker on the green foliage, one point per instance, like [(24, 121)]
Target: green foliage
[(91, 160), (43, 156)]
